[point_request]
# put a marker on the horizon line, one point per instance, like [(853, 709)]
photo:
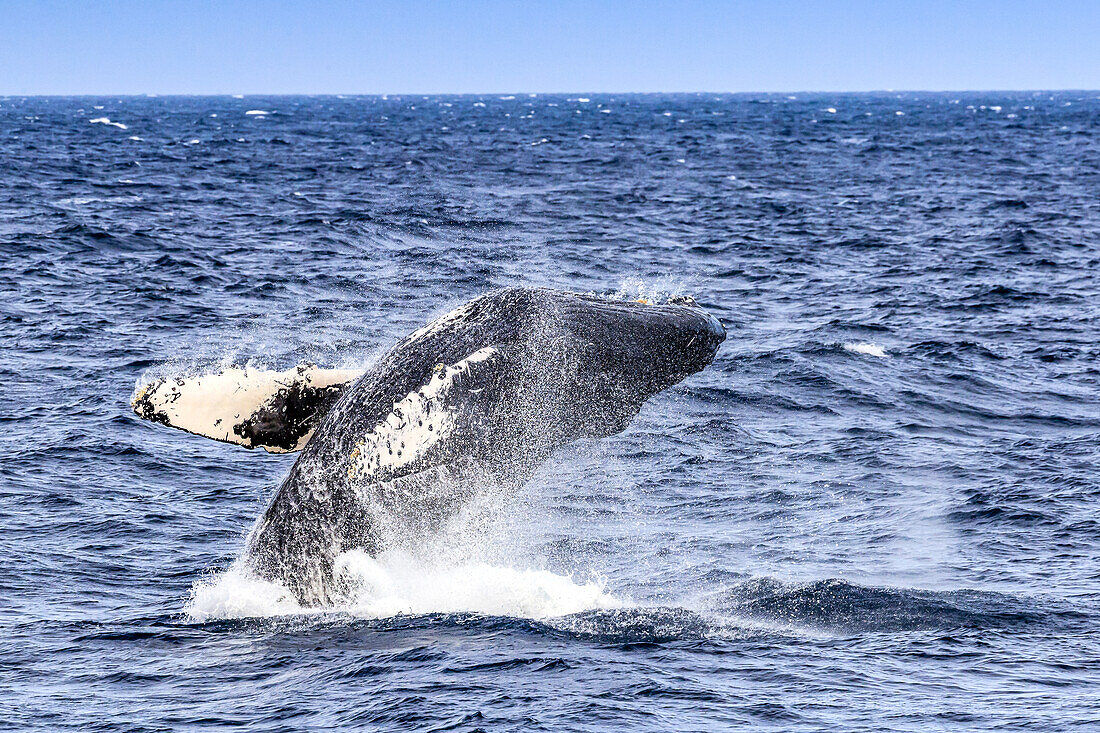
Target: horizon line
[(5, 95)]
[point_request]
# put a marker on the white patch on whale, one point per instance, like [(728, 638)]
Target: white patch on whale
[(417, 423)]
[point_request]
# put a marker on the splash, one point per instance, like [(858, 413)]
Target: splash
[(656, 292), (398, 583)]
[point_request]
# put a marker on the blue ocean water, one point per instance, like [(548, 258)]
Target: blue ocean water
[(877, 510)]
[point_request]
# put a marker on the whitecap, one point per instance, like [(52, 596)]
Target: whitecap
[(257, 112), (863, 348), (107, 121)]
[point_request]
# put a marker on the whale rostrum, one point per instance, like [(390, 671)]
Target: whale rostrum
[(476, 399)]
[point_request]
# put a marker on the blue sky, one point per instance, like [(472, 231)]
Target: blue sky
[(418, 46)]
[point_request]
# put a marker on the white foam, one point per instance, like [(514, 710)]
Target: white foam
[(831, 110), (397, 583), (107, 121), (400, 584), (868, 349), (660, 290), (257, 112), (237, 593)]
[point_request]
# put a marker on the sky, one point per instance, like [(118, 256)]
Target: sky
[(490, 46)]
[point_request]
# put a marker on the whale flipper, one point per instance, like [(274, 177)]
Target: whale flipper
[(277, 411)]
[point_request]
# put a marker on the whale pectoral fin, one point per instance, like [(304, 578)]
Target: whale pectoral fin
[(249, 407)]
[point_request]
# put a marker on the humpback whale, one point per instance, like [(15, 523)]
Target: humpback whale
[(478, 398)]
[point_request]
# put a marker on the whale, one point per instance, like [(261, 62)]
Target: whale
[(475, 401)]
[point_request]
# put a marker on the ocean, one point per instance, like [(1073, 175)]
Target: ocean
[(878, 509)]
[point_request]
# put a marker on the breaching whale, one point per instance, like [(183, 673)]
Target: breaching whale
[(479, 397)]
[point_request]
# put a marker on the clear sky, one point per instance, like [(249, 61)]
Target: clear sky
[(420, 46)]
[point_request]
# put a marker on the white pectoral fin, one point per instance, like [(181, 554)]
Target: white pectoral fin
[(250, 407)]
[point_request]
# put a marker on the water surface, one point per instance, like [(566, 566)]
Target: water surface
[(877, 510)]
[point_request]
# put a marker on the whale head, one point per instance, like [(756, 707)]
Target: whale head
[(617, 354)]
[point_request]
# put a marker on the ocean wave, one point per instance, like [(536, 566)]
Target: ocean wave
[(835, 603), (107, 121)]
